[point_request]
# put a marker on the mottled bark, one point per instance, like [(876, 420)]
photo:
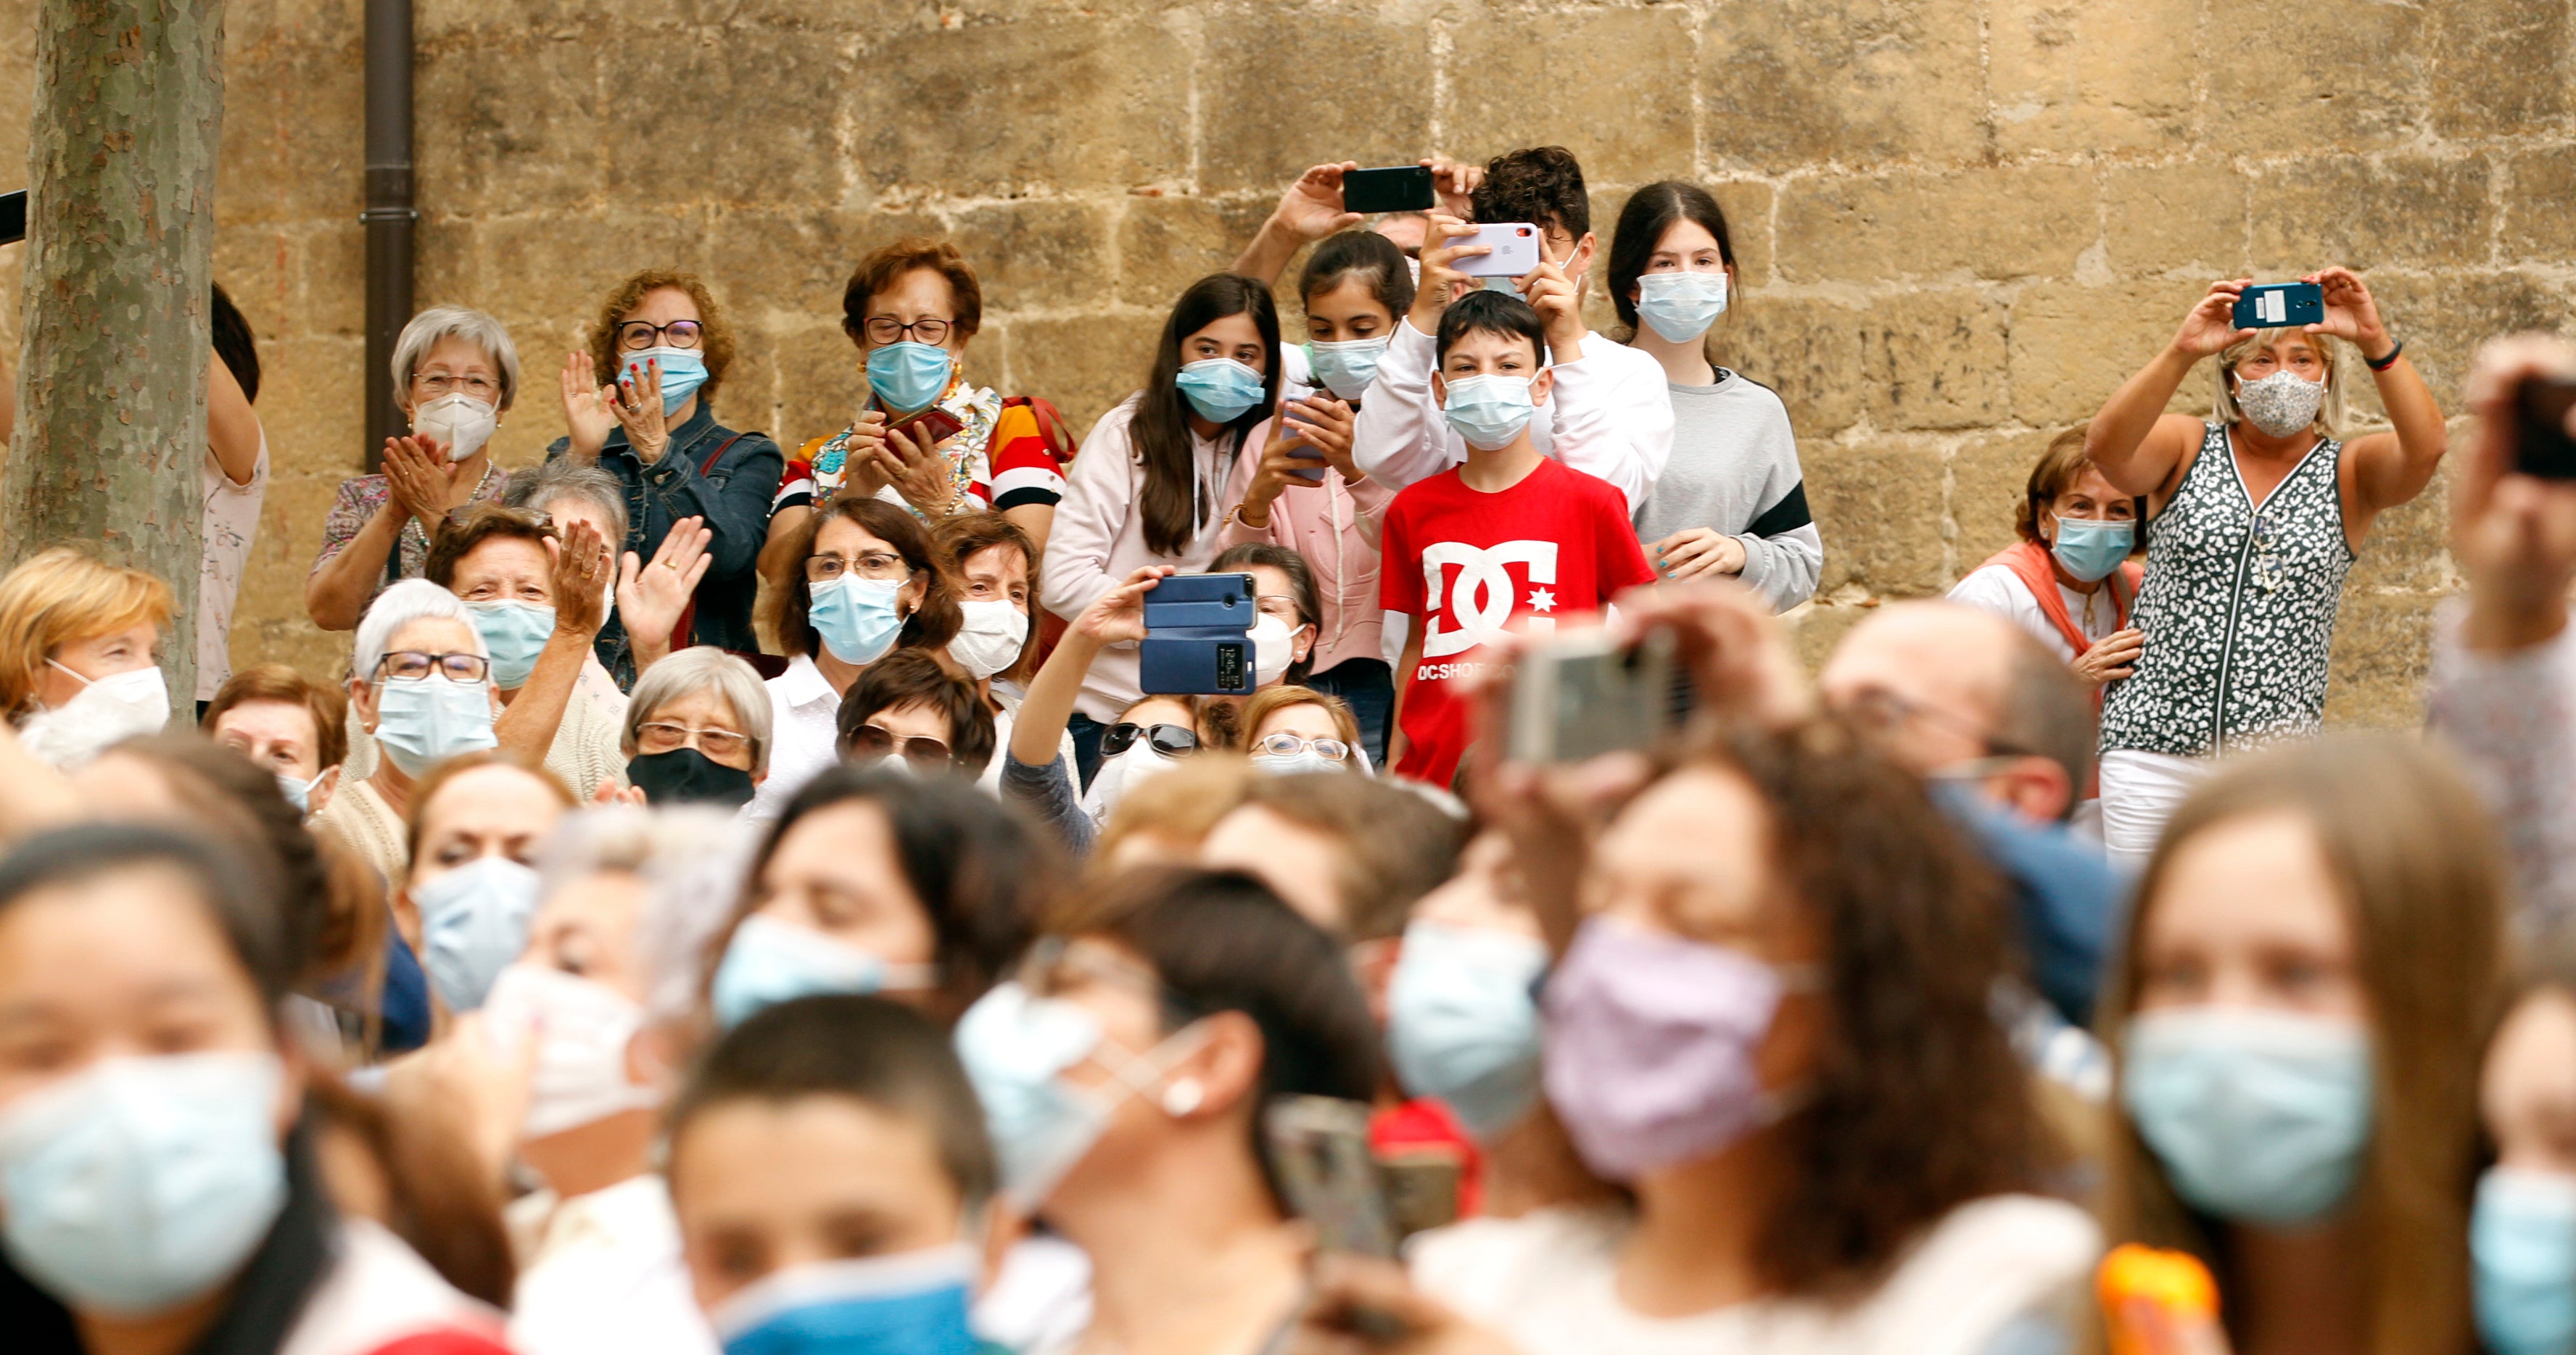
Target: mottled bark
[(121, 226)]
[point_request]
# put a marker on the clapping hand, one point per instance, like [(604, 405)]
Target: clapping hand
[(421, 481), (651, 596), (638, 406), (581, 572), (589, 408)]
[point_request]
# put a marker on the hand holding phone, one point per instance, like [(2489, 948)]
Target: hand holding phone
[(1398, 188), (2542, 446), (2280, 305), (1198, 636), (1575, 696), (1512, 250), (1320, 1147)]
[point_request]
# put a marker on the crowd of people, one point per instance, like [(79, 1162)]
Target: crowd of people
[(748, 895)]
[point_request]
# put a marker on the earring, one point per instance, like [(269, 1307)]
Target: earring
[(1183, 1096)]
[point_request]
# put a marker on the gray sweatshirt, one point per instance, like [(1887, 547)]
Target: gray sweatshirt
[(1734, 468)]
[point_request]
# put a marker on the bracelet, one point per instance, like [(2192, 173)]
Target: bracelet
[(2382, 364)]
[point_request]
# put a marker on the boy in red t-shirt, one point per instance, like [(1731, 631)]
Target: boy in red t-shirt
[(1510, 540)]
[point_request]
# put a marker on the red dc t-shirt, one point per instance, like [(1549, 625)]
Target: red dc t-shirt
[(1467, 566)]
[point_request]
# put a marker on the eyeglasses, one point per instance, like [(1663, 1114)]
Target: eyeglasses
[(1279, 605), (645, 334), (411, 665), (436, 384), (1055, 964), (882, 329), (1284, 744), (1169, 740), (1880, 713), (919, 750), (876, 566), (663, 737)]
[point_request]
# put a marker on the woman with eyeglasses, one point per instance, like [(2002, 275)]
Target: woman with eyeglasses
[(1296, 729), (455, 375), (873, 584), (638, 404), (908, 712), (698, 731)]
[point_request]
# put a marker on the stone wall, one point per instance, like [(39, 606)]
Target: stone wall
[(1961, 222)]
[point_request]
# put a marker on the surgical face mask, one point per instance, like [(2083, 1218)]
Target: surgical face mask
[(683, 371), (856, 617), (686, 776), (909, 376), (1118, 775), (1016, 1047), (2522, 1254), (1220, 389), (769, 962), (1462, 1022), (141, 1183), (1298, 763), (1274, 649), (1347, 368), (910, 1303), (422, 723), (1488, 411), (459, 420), (106, 711), (990, 638), (1650, 1046), (2258, 1116), (2090, 550), (2282, 403), (582, 1029), (474, 921), (515, 633), (1680, 306), (298, 791)]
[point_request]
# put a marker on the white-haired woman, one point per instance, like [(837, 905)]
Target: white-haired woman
[(455, 375), (2254, 517), (421, 683), (697, 730)]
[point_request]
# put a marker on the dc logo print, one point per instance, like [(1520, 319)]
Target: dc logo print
[(1481, 596)]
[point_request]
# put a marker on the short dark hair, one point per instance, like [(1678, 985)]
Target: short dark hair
[(239, 896), (1490, 312), (2044, 710), (283, 685), (966, 535), (1364, 255), (1396, 847), (1541, 185), (1301, 585), (231, 336), (887, 263), (880, 1053), (1651, 211), (910, 677), (458, 535), (931, 626)]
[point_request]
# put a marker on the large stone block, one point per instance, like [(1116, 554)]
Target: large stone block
[(299, 149), (2362, 212), (1989, 474), (2089, 75), (2337, 77), (1862, 82), (1045, 254), (2006, 222), (520, 124), (1878, 502), (549, 270), (2500, 67), (2072, 345), (1083, 365), (1816, 628), (2188, 217), (331, 256), (2408, 548), (664, 150), (1916, 360), (1285, 86), (2383, 651), (995, 110), (1611, 85), (797, 261), (2538, 226), (1167, 243), (818, 383), (1804, 347), (2443, 319)]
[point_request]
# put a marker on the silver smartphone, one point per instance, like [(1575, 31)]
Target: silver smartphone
[(1579, 695)]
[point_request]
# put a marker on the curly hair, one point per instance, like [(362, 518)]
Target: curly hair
[(1542, 185), (715, 343), (887, 264)]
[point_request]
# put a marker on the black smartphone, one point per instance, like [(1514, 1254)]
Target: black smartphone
[(2542, 446), (2278, 305), (13, 217), (1398, 188)]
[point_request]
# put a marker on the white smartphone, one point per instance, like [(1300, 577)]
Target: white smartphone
[(1515, 246)]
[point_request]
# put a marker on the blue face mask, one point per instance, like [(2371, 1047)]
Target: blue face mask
[(1680, 306), (908, 376), (298, 791), (1346, 368), (769, 962), (1462, 1022), (1220, 389), (2258, 1116), (2522, 1253), (910, 1303), (856, 617), (424, 723), (683, 371), (474, 922), (2089, 549), (1488, 411), (1016, 1047), (142, 1183), (515, 633)]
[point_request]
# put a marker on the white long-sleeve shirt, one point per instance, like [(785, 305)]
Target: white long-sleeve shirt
[(1610, 415)]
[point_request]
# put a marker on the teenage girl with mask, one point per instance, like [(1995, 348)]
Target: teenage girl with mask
[(2299, 1078), (995, 565), (872, 582), (1731, 500), (2068, 580), (465, 902), (1153, 487), (2522, 1231)]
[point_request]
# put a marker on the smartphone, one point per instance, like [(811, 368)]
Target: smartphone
[(1198, 639), (1399, 188), (1515, 246), (1320, 1147), (1198, 601), (938, 423), (13, 216), (2542, 446), (1579, 695), (1421, 1183), (2277, 305)]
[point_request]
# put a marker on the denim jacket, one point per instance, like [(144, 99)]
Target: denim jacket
[(732, 495)]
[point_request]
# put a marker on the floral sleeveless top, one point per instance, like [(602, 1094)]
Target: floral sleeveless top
[(2238, 610)]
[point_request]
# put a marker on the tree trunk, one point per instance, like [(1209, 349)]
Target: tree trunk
[(111, 439)]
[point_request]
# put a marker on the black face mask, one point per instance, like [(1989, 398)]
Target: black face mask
[(687, 776)]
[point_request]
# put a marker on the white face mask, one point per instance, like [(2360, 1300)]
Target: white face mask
[(1118, 775), (108, 710), (458, 420), (1274, 648), (991, 637), (582, 1028)]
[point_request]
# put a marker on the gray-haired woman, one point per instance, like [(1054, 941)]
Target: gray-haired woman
[(455, 374), (698, 730)]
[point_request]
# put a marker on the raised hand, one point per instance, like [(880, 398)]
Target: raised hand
[(589, 408), (2112, 657), (652, 596), (1312, 207), (2351, 314), (638, 406), (1441, 281), (421, 481), (1455, 181), (1560, 309), (2514, 535), (581, 570), (2211, 325), (1119, 614)]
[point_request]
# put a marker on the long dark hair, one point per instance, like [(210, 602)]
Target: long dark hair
[(1173, 501), (232, 340), (1651, 211)]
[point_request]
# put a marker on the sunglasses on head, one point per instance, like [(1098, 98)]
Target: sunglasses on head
[(872, 742), (1168, 740)]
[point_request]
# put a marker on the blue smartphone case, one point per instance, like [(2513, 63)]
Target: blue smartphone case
[(1201, 602), (1196, 663), (2279, 305)]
